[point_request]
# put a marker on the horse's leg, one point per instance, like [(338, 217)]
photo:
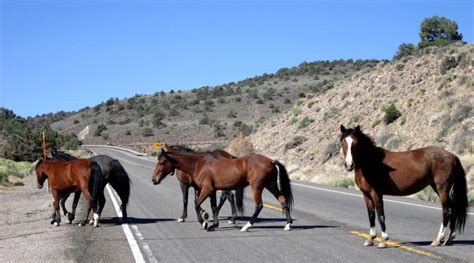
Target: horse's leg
[(72, 215), (215, 222), (101, 200), (88, 198), (200, 213), (64, 197), (203, 194), (445, 203), (378, 200), (257, 197), (185, 192), (371, 211), (273, 188), (56, 215), (230, 196)]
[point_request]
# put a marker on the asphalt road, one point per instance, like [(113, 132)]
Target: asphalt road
[(330, 225)]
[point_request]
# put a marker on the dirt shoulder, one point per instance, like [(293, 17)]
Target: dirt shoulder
[(26, 234)]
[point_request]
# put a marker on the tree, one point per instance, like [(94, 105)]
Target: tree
[(405, 49), (438, 31)]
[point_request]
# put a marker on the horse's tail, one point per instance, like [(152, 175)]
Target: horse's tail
[(285, 186), (239, 201), (120, 181), (459, 198), (96, 182)]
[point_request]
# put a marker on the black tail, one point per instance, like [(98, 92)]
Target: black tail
[(239, 201), (96, 183), (120, 181), (285, 184), (459, 199)]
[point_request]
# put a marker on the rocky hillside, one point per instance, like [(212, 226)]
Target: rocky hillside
[(433, 91), (208, 115)]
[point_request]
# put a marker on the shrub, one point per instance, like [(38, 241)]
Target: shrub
[(391, 114), (447, 63), (427, 194), (128, 132), (98, 131), (305, 122), (331, 150), (344, 182), (295, 142), (405, 49), (147, 132), (75, 122)]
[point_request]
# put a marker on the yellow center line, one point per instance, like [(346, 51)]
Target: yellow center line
[(272, 207), (398, 245)]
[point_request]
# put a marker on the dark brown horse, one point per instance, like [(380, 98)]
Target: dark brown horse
[(164, 168), (379, 172), (211, 174), (65, 177)]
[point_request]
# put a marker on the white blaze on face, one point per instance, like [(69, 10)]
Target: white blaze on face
[(349, 151)]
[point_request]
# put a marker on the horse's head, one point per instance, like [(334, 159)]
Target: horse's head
[(349, 144), (41, 175), (163, 168)]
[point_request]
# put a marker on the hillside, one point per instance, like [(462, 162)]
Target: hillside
[(208, 115), (433, 90)]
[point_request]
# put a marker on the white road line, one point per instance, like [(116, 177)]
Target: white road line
[(145, 247), (137, 254), (360, 195)]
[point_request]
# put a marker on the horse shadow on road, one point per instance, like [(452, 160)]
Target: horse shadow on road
[(428, 243), (294, 227), (134, 220)]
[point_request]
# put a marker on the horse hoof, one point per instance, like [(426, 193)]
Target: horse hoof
[(67, 221), (96, 225), (287, 227), (246, 227), (231, 222), (450, 239), (435, 243), (211, 229), (204, 225), (180, 220), (369, 242), (55, 224), (382, 245)]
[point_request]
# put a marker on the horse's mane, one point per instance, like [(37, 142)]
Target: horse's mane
[(62, 155), (183, 148)]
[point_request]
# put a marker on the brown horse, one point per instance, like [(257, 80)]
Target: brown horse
[(65, 177), (164, 168), (211, 174), (379, 172)]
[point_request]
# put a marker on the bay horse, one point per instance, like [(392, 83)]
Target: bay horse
[(164, 168), (379, 171), (211, 174), (65, 177), (113, 173)]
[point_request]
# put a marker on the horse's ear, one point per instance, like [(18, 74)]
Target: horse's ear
[(357, 128), (343, 129), (165, 147)]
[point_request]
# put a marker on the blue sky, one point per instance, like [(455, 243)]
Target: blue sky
[(66, 55)]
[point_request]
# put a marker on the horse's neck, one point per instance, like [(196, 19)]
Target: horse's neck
[(370, 157), (185, 162)]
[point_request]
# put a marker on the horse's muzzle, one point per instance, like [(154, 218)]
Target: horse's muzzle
[(39, 186), (155, 182)]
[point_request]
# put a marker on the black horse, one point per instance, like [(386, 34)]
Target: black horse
[(114, 174)]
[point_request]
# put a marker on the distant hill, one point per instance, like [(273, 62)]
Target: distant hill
[(208, 116), (432, 90)]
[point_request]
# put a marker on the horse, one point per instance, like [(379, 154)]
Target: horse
[(379, 171), (65, 177), (113, 172), (211, 174), (164, 167)]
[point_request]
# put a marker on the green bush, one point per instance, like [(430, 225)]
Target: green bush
[(427, 194), (18, 169), (344, 182), (305, 122), (295, 142), (391, 114), (147, 132), (99, 129)]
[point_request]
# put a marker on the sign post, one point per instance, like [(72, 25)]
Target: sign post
[(44, 147)]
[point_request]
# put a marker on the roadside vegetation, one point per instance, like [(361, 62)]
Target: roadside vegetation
[(11, 172)]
